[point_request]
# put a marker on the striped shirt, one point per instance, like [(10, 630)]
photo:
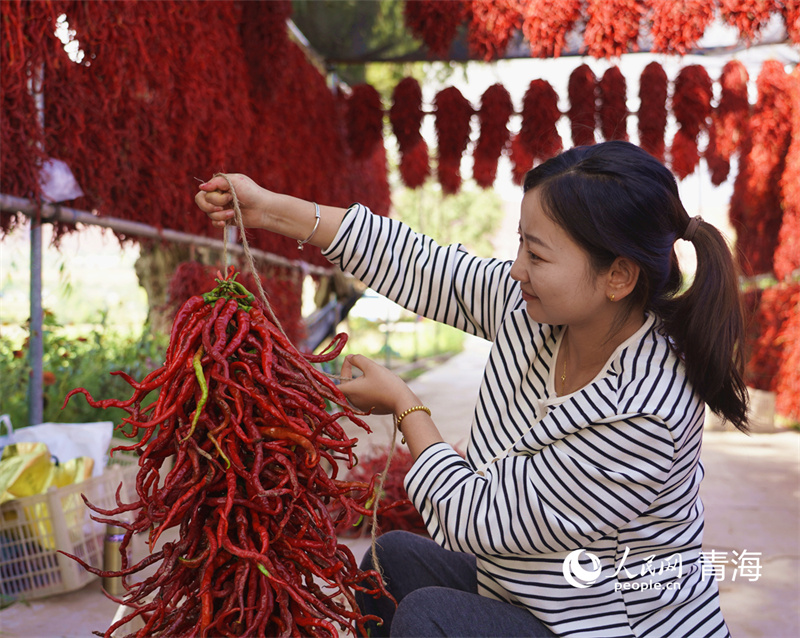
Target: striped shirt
[(584, 509)]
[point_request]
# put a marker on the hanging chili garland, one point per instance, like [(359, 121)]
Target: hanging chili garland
[(582, 91), (494, 114), (364, 120), (406, 116), (652, 117), (539, 117), (545, 25), (728, 121), (791, 18), (132, 110), (787, 399), (27, 42), (748, 16), (612, 90), (452, 123), (772, 308), (691, 104), (612, 27), (435, 23), (521, 159), (787, 253), (678, 25), (491, 26), (755, 208)]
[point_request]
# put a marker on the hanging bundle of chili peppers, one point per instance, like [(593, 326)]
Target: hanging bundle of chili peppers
[(27, 40), (364, 120), (521, 159), (435, 22), (756, 209), (540, 114), (787, 399), (691, 104), (546, 23), (652, 116), (495, 111), (787, 254), (728, 121), (613, 105), (748, 16), (770, 311), (582, 90), (406, 116), (242, 417), (678, 25), (791, 18), (491, 25), (612, 27), (452, 123)]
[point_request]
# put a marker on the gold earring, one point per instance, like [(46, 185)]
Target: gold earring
[(611, 297)]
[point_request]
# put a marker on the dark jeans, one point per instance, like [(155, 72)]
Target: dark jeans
[(437, 595)]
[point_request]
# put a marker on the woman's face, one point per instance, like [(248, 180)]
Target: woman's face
[(555, 276)]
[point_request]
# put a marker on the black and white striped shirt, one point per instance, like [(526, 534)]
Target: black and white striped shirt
[(612, 469)]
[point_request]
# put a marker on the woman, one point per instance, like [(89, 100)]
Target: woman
[(576, 511)]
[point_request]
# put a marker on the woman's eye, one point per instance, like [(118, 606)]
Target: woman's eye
[(533, 256)]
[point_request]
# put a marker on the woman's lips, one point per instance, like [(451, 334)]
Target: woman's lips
[(528, 296)]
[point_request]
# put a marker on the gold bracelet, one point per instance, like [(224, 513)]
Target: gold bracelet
[(403, 415)]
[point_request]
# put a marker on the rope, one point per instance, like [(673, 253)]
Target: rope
[(376, 565), (251, 263)]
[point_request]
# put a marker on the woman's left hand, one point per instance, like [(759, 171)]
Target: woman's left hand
[(377, 389)]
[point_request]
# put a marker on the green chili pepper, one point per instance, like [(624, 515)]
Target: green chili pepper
[(201, 379)]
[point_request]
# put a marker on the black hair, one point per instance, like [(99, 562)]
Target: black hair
[(616, 200)]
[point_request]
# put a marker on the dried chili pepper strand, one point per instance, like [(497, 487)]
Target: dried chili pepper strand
[(222, 522), (246, 382), (243, 328), (321, 389), (301, 401), (221, 335), (182, 504), (208, 324), (126, 619), (170, 554), (331, 351), (222, 322), (312, 458), (302, 598)]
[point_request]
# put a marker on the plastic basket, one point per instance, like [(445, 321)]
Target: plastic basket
[(34, 528)]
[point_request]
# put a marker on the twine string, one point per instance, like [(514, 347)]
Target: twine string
[(251, 263), (376, 564)]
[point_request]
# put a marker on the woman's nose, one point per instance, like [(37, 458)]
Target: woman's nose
[(517, 272)]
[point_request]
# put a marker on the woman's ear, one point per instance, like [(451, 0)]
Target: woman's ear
[(621, 278)]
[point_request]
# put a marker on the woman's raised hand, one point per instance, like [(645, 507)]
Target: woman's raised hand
[(377, 389), (215, 200)]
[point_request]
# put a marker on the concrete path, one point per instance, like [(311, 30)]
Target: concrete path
[(751, 493)]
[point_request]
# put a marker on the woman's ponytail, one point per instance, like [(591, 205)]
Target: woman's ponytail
[(706, 324)]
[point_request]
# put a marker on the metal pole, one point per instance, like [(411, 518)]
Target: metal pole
[(56, 212), (36, 340), (36, 350)]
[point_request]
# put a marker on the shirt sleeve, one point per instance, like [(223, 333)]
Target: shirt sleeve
[(565, 496), (443, 283)]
